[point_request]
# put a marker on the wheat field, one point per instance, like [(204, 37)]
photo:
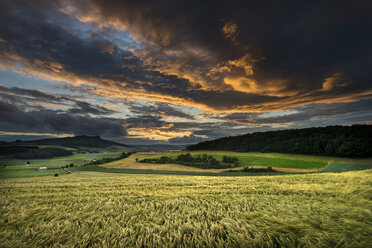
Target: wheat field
[(90, 209)]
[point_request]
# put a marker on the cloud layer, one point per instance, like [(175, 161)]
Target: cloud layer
[(162, 65)]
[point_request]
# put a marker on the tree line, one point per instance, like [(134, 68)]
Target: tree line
[(342, 141)]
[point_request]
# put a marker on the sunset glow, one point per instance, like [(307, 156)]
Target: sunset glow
[(140, 72)]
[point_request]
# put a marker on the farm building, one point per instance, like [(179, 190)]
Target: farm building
[(42, 168)]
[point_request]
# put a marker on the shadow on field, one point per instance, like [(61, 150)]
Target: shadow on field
[(338, 167), (96, 168)]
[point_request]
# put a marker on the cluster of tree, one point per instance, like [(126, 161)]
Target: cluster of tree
[(343, 141), (68, 165), (227, 159), (32, 152), (201, 161), (108, 160)]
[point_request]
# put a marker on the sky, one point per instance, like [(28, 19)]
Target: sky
[(180, 72)]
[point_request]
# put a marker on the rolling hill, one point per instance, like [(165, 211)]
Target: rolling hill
[(342, 141), (74, 142), (48, 148)]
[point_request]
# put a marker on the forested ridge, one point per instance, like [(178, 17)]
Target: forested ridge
[(32, 152), (343, 141)]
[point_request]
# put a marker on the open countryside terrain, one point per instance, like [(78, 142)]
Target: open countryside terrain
[(83, 150), (88, 209), (185, 124), (281, 163), (20, 168), (126, 203)]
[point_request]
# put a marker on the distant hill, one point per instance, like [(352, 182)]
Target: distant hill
[(31, 152), (48, 148), (82, 143), (77, 141), (343, 141)]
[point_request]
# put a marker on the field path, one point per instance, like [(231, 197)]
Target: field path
[(67, 171)]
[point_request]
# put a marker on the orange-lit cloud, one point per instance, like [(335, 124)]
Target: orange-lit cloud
[(139, 53), (158, 133), (230, 30), (331, 82), (117, 89)]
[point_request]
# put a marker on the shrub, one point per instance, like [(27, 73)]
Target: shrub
[(212, 162)]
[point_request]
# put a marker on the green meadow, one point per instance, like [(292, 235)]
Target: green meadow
[(282, 163), (76, 158), (19, 168), (267, 159)]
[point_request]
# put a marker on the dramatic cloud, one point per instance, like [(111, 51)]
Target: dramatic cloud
[(161, 109), (13, 119), (87, 108), (357, 112), (35, 94), (18, 95), (230, 30), (179, 71)]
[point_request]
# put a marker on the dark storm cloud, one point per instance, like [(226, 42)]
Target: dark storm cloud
[(236, 56), (87, 108), (38, 37), (302, 43), (160, 109), (17, 95), (293, 48), (13, 119), (44, 43), (37, 94), (39, 40), (145, 121), (305, 114)]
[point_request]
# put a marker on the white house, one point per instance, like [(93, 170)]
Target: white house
[(42, 168)]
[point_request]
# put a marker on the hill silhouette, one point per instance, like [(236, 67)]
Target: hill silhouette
[(343, 141), (75, 142), (48, 148)]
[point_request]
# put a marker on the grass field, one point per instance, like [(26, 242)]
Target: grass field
[(90, 209), (77, 159), (280, 162), (266, 159), (18, 167), (284, 163), (339, 167)]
